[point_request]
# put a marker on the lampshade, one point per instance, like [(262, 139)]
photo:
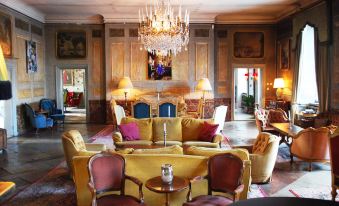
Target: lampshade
[(125, 83), (204, 85), (278, 83), (3, 68)]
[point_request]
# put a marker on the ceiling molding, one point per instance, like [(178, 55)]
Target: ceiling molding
[(57, 19), (24, 9)]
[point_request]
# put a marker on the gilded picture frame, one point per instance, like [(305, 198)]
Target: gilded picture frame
[(248, 45), (6, 34)]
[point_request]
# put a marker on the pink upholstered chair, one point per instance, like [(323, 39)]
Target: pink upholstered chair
[(277, 116), (224, 175), (107, 173), (334, 156)]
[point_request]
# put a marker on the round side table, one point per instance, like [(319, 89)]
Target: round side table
[(156, 184)]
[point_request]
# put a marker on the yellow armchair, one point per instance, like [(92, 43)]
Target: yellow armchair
[(74, 145), (263, 157)]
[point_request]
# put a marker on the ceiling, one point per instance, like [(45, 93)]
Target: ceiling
[(201, 11)]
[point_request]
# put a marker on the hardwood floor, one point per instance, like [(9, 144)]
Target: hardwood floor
[(30, 156)]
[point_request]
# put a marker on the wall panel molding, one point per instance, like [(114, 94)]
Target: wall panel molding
[(201, 60)]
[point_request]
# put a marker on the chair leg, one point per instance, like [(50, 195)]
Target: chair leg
[(291, 157), (37, 131), (310, 166), (334, 193)]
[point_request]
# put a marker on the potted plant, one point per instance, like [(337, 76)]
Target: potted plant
[(249, 103)]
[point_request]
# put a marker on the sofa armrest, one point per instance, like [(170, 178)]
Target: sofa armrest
[(87, 153), (117, 137), (218, 138), (95, 147)]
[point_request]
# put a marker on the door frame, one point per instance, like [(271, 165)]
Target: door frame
[(262, 67), (58, 86)]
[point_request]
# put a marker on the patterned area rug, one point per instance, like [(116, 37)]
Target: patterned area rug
[(315, 184), (54, 189)]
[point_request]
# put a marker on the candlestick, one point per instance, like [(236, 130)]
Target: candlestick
[(169, 111), (165, 134)]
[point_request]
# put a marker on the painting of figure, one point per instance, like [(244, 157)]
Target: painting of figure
[(71, 44), (32, 63), (248, 45), (6, 34), (159, 67), (284, 50)]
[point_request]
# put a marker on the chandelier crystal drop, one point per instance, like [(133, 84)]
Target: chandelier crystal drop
[(160, 31)]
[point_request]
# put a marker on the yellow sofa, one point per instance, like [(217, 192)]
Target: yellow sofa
[(180, 131), (146, 166), (74, 145)]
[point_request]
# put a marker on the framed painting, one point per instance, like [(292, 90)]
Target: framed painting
[(31, 57), (159, 67), (6, 34), (71, 44), (67, 77), (284, 46), (248, 44)]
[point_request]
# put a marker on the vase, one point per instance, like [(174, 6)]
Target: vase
[(167, 173)]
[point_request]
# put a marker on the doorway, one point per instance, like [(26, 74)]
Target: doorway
[(72, 93), (247, 92)]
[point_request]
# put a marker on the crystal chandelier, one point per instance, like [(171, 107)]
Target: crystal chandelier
[(160, 31)]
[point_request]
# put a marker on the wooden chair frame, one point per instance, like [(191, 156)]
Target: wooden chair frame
[(175, 103)]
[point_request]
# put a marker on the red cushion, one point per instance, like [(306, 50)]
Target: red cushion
[(129, 131), (207, 132), (209, 200)]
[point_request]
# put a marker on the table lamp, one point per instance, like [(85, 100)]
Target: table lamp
[(279, 84), (204, 85), (125, 84)]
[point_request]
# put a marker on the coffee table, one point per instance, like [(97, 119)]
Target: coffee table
[(156, 184)]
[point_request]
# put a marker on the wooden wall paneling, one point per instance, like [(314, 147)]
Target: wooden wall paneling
[(39, 92), (22, 75), (96, 88), (24, 93), (118, 60), (180, 66), (138, 62), (222, 90), (222, 60), (201, 60)]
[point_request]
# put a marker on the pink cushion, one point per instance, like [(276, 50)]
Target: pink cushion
[(129, 131), (207, 132)]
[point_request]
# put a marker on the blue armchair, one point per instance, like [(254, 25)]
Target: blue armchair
[(53, 112), (38, 120)]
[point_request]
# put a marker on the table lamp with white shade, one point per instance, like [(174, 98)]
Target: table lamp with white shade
[(279, 84), (204, 85), (126, 84)]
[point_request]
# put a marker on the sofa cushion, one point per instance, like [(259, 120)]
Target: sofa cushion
[(201, 144), (207, 152), (173, 128), (191, 128), (207, 132), (169, 143), (136, 142), (129, 131), (174, 149), (145, 127)]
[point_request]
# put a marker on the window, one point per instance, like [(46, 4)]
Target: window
[(307, 83)]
